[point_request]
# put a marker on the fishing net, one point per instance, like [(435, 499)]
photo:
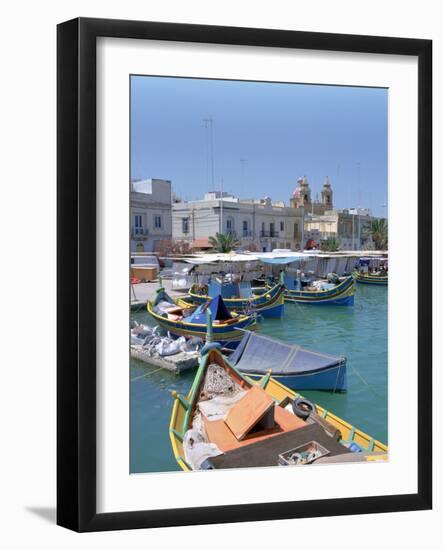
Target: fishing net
[(218, 382)]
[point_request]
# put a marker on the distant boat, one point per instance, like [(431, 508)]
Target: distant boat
[(182, 319), (294, 366), (371, 278), (372, 270), (228, 421), (239, 296), (322, 292)]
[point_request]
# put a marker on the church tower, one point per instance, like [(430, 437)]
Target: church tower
[(326, 195), (302, 194)]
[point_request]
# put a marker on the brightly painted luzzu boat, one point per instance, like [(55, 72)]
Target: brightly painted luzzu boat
[(371, 278), (228, 421), (340, 294), (239, 297), (182, 319)]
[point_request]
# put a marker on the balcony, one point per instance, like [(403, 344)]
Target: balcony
[(139, 233), (269, 234), (246, 234)]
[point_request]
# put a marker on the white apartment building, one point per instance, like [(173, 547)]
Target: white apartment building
[(260, 225), (348, 225), (151, 215)]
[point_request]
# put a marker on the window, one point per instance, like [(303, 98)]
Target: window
[(282, 226), (157, 222), (271, 229), (295, 230), (138, 224), (185, 225), (230, 225), (245, 228)]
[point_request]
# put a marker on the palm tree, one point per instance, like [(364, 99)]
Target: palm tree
[(378, 230), (224, 243), (331, 244)]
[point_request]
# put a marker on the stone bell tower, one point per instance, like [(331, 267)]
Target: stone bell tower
[(326, 195), (301, 195)]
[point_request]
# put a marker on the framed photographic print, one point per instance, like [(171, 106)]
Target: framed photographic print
[(244, 274)]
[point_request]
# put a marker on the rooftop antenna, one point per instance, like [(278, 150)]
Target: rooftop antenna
[(221, 205), (209, 125), (359, 204)]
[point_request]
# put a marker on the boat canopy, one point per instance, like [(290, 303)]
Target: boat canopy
[(283, 261), (257, 353)]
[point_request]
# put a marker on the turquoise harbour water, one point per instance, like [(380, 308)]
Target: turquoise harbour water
[(358, 332)]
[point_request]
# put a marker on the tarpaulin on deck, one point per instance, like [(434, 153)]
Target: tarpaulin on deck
[(256, 354), (218, 309)]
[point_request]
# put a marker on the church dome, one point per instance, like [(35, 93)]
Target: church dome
[(297, 191)]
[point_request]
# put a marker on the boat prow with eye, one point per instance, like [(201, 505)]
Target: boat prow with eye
[(229, 421)]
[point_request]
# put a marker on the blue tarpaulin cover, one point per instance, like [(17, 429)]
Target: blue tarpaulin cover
[(218, 309), (257, 353)]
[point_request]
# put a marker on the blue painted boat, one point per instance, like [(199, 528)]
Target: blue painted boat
[(182, 319), (239, 296), (290, 364), (339, 294), (372, 270)]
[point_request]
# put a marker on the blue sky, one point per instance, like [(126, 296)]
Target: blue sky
[(280, 131)]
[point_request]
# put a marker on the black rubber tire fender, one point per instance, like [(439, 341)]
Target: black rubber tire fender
[(302, 408)]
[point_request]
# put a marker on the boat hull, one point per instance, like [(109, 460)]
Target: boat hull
[(228, 335), (371, 280), (340, 295), (270, 304), (331, 379)]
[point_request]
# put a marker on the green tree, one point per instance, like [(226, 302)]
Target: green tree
[(378, 230), (331, 244), (224, 243)]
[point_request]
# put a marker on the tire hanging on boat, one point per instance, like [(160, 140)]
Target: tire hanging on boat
[(302, 408)]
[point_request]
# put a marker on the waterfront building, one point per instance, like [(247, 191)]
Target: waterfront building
[(263, 225), (259, 224), (151, 213), (347, 225)]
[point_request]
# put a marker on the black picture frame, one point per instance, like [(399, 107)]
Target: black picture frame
[(76, 260)]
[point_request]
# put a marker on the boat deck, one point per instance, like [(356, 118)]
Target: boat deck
[(265, 452)]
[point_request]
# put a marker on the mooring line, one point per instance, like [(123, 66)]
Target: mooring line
[(146, 374), (366, 383)]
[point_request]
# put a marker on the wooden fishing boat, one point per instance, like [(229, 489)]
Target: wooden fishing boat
[(338, 294), (229, 421), (371, 278), (182, 319), (292, 365), (269, 302)]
